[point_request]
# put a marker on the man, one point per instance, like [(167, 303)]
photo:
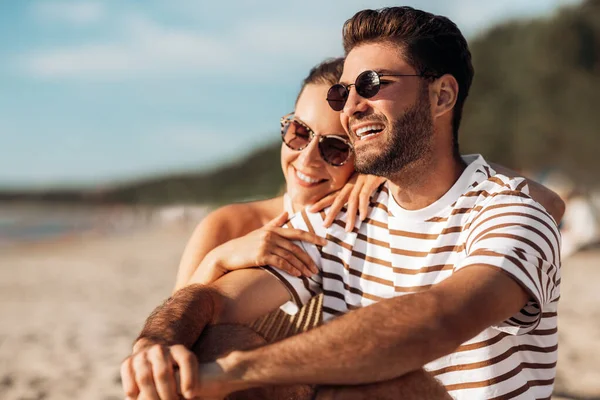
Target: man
[(456, 268)]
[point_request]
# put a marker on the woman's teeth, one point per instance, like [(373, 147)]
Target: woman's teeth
[(369, 130), (305, 178)]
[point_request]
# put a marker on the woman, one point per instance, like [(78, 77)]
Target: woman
[(317, 162), (318, 172)]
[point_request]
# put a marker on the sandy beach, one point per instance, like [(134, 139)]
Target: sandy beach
[(70, 309)]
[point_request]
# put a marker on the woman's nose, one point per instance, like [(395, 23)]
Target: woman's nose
[(310, 156)]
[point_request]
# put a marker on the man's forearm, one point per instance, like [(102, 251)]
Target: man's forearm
[(181, 319), (373, 344), (387, 339)]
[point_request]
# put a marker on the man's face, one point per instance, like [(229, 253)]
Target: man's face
[(398, 116)]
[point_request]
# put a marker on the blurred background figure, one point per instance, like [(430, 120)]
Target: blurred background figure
[(122, 124), (581, 221)]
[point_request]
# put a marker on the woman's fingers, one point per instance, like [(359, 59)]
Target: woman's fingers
[(371, 183), (278, 220), (298, 234), (337, 205), (282, 264), (299, 253), (324, 202), (352, 205), (292, 260)]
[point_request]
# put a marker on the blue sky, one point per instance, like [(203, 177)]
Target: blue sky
[(93, 92)]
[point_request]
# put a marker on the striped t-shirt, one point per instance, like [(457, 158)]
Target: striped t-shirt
[(485, 218)]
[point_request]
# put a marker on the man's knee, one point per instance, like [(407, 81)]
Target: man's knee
[(417, 385)]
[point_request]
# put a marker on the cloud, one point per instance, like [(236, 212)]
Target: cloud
[(79, 13), (257, 45), (147, 48)]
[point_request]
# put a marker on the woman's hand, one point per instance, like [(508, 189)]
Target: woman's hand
[(269, 245), (357, 193)]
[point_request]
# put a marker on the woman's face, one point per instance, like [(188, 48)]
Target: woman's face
[(308, 177)]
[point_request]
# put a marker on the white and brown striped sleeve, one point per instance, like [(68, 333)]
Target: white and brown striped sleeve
[(514, 233), (302, 289)]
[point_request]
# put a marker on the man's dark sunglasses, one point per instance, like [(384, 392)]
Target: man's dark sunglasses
[(334, 149), (367, 85)]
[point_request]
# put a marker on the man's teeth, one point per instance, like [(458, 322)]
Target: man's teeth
[(360, 132), (305, 178)]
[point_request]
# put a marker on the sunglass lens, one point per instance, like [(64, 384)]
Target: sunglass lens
[(367, 84), (295, 135), (334, 151), (336, 97)]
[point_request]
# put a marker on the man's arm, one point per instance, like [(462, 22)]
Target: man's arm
[(238, 297), (387, 339)]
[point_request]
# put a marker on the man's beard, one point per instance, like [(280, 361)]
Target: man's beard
[(408, 142)]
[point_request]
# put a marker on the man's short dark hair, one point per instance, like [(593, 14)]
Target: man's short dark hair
[(431, 44)]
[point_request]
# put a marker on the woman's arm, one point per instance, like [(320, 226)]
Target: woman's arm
[(215, 229), (221, 244), (540, 193), (203, 256)]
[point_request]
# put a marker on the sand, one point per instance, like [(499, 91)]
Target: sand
[(69, 311)]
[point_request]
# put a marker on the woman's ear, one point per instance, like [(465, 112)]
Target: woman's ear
[(446, 92)]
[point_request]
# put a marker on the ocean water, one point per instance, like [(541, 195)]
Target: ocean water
[(28, 223), (20, 223)]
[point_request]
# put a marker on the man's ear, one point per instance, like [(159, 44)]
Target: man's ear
[(445, 90)]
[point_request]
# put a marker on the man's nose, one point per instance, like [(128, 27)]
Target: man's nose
[(355, 103)]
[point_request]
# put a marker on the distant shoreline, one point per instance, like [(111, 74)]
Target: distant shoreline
[(33, 223)]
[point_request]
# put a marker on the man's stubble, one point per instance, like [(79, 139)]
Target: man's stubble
[(407, 146)]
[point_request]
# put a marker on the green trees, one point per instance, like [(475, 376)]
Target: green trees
[(535, 100), (534, 104)]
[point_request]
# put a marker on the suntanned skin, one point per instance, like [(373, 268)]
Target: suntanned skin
[(236, 220), (419, 329), (220, 226), (347, 351)]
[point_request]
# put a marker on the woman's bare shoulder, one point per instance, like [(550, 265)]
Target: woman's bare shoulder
[(240, 218)]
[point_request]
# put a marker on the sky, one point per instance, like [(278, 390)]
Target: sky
[(97, 92)]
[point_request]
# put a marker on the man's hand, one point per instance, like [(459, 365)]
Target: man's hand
[(151, 372)]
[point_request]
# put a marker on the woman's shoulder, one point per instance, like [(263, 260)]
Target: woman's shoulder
[(244, 217)]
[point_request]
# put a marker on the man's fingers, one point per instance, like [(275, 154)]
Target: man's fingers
[(143, 377), (128, 378), (162, 371), (188, 370), (278, 220), (298, 234)]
